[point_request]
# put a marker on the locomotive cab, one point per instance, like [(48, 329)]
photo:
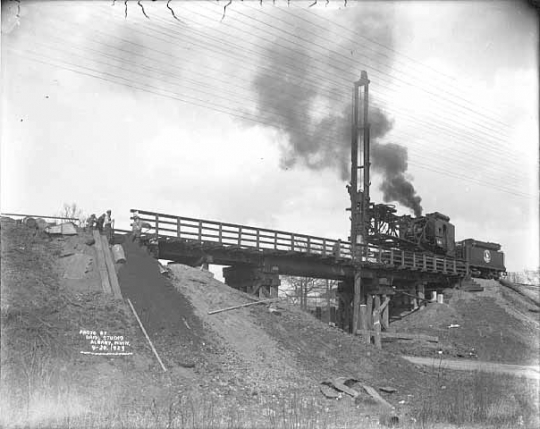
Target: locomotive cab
[(440, 233)]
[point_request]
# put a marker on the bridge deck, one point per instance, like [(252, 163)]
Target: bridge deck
[(225, 239)]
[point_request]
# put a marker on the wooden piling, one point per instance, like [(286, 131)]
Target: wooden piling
[(377, 321), (385, 316), (421, 295), (369, 311)]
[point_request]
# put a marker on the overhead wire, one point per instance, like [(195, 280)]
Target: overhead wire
[(436, 74), (212, 106), (460, 136), (479, 142), (205, 105), (160, 71), (376, 69)]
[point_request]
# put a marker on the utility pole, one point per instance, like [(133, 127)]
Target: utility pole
[(359, 198)]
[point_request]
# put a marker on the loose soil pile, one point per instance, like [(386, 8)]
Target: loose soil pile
[(494, 325)]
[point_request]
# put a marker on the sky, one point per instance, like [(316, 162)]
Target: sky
[(242, 115)]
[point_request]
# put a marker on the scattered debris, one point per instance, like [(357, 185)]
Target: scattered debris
[(242, 305), (339, 384), (342, 384), (186, 323), (329, 392), (389, 420), (118, 254), (453, 326), (67, 228), (272, 309), (164, 270)]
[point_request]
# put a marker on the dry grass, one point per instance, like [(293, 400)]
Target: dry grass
[(479, 399)]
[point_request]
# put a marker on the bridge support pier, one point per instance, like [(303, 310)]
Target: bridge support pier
[(260, 281)]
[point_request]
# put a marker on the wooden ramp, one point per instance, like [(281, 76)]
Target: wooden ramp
[(109, 279)]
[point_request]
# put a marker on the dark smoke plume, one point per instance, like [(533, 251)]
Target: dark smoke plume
[(304, 98), (391, 160)]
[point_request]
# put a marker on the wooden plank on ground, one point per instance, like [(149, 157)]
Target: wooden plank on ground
[(102, 268), (242, 305), (375, 395), (401, 335), (113, 278)]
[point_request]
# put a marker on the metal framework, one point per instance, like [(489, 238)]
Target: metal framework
[(359, 194)]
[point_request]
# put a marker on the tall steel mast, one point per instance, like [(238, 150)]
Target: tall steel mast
[(359, 196)]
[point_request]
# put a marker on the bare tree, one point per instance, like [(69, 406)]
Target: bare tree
[(531, 277), (72, 211), (299, 290)]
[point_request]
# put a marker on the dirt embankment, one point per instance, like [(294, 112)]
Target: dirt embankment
[(250, 354), (495, 325), (250, 360), (45, 377)]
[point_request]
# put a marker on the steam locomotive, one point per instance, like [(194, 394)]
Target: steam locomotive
[(433, 233)]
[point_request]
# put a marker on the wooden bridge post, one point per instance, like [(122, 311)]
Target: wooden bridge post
[(385, 314), (369, 312), (377, 321), (178, 227), (414, 300), (157, 224), (421, 295)]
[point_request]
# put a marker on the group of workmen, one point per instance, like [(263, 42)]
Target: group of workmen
[(104, 224)]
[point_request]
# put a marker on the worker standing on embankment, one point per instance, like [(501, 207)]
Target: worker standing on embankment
[(136, 228), (107, 225)]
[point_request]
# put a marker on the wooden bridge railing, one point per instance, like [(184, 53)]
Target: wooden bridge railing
[(228, 234)]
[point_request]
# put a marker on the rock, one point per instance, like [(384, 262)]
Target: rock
[(387, 389), (30, 222), (329, 392)]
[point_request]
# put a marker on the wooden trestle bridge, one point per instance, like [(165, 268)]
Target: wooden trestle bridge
[(255, 257)]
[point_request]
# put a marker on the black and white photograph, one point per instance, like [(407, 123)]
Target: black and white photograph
[(282, 214)]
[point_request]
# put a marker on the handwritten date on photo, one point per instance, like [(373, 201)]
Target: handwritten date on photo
[(103, 343)]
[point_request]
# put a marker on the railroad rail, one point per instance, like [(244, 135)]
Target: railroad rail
[(228, 235)]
